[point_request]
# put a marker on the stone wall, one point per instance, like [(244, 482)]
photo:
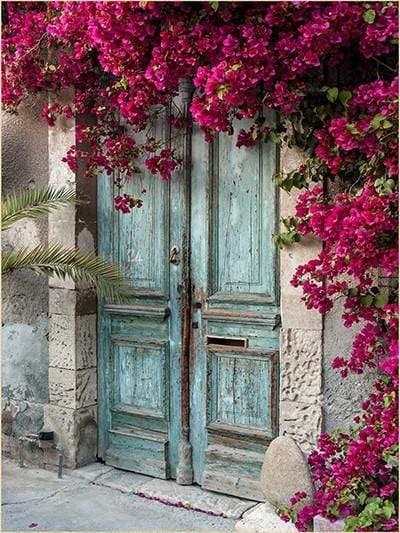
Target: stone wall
[(24, 294), (300, 406), (49, 326), (342, 397), (72, 408)]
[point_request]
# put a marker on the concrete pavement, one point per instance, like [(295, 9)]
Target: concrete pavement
[(101, 499)]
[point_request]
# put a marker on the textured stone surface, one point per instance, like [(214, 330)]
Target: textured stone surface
[(263, 519), (72, 389), (195, 498), (24, 293), (62, 302), (86, 341), (302, 422), (76, 430), (301, 365), (284, 472), (72, 341), (62, 341), (300, 407), (300, 413)]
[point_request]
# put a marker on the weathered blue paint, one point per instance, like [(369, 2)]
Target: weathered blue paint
[(225, 224), (234, 270)]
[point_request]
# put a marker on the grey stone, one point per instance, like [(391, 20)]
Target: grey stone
[(323, 524), (76, 430), (24, 293), (284, 472), (184, 472), (301, 365), (73, 389), (91, 472), (301, 385), (194, 498), (302, 422), (24, 361), (262, 519), (127, 482), (342, 397)]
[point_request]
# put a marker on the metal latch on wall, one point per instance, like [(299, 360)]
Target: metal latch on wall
[(43, 439)]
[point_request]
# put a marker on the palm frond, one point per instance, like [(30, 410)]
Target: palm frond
[(33, 203), (81, 267)]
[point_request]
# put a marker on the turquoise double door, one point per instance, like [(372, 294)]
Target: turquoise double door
[(188, 367)]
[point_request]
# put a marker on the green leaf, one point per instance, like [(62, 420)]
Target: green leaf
[(344, 97), (388, 399), (369, 16), (81, 267), (332, 94), (376, 121), (214, 5), (381, 299), (274, 137), (386, 124), (367, 300), (388, 509), (32, 203), (352, 129)]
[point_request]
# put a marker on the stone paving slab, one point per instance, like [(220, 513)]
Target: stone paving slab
[(127, 482), (263, 519), (195, 498), (90, 472), (169, 492)]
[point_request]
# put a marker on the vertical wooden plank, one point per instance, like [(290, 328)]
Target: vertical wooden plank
[(200, 227), (105, 215)]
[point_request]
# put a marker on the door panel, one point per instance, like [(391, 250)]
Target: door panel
[(241, 258), (139, 340), (235, 343), (219, 217)]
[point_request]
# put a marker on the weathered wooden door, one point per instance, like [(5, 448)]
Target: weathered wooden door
[(188, 367)]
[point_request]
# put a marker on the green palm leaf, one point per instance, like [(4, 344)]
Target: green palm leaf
[(33, 203), (81, 267)]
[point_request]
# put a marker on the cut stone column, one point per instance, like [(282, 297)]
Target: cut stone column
[(301, 334), (72, 409)]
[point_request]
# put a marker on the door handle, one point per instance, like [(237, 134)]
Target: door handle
[(174, 256)]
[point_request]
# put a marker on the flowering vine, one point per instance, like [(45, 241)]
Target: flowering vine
[(330, 70)]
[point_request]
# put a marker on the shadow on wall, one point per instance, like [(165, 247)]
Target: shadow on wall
[(24, 295)]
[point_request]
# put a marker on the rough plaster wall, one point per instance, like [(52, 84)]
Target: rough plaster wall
[(342, 397), (24, 294)]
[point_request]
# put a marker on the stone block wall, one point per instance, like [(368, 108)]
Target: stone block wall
[(25, 299), (72, 408), (49, 326), (301, 338)]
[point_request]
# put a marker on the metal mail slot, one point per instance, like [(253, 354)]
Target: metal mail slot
[(227, 341)]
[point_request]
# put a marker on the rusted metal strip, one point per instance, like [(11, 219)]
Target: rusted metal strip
[(185, 471)]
